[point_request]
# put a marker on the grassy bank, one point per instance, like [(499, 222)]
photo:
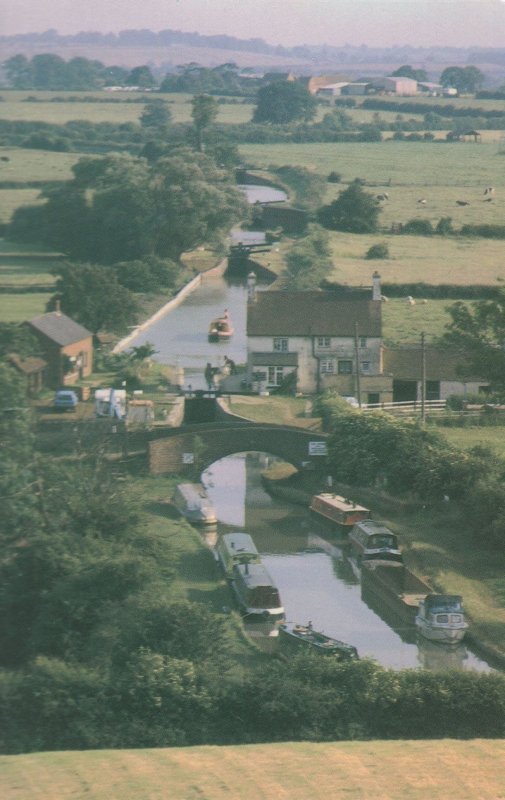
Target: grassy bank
[(356, 770)]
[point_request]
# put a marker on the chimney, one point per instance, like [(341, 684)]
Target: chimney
[(57, 306), (376, 286), (251, 287)]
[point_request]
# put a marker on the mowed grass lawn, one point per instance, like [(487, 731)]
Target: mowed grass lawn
[(407, 770)]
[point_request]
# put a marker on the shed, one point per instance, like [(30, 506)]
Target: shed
[(66, 346)]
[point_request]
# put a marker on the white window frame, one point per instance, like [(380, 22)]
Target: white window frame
[(275, 376), (362, 341), (365, 366), (323, 342), (327, 366), (281, 344)]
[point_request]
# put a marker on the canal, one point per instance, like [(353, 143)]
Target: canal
[(315, 584)]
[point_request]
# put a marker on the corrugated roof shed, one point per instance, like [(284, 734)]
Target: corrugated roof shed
[(312, 313), (59, 328)]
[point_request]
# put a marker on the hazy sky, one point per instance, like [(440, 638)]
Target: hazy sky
[(288, 22)]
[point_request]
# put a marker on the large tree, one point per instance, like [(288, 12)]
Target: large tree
[(281, 102), (354, 210), (465, 79), (406, 71), (93, 296), (119, 208), (478, 329), (204, 112)]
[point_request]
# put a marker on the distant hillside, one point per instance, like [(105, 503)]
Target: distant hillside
[(166, 49)]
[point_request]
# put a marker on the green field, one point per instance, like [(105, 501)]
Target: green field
[(408, 770), (24, 166)]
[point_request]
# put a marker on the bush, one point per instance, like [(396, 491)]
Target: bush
[(444, 226), (334, 177), (419, 227), (380, 250)]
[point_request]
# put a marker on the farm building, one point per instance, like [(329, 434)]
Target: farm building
[(332, 89), (67, 347), (400, 86), (356, 89), (31, 368), (443, 371)]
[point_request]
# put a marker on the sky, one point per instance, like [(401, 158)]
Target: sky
[(376, 23)]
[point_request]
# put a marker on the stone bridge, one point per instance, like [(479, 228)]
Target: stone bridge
[(180, 450)]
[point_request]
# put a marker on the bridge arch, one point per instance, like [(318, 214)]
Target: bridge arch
[(181, 449)]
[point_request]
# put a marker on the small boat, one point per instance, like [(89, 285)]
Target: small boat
[(304, 636), (221, 329), (341, 513), (441, 619), (192, 501)]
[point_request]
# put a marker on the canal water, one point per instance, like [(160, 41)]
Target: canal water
[(315, 579), (180, 336)]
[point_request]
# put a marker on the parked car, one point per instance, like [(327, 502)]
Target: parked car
[(65, 399)]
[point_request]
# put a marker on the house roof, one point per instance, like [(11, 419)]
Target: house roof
[(405, 363), (274, 359), (59, 328), (313, 313)]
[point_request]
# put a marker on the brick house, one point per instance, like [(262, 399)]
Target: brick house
[(66, 346), (323, 339)]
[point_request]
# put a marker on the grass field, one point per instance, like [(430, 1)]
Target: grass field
[(409, 770), (36, 165), (19, 307), (493, 437)]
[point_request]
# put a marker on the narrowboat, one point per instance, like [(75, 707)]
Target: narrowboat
[(441, 618), (395, 587), (303, 636), (255, 591), (221, 329), (372, 540), (337, 510), (191, 500), (236, 548)]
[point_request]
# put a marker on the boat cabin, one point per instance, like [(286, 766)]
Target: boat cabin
[(372, 540), (441, 618), (255, 591), (236, 548), (339, 511), (192, 501)]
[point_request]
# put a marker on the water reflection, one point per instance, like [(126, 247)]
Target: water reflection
[(315, 580)]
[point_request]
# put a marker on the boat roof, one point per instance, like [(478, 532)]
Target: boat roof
[(371, 526), (441, 600), (340, 502), (190, 489), (255, 575), (239, 542)]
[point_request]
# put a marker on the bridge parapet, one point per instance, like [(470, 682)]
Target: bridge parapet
[(183, 449)]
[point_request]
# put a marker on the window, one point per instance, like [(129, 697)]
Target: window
[(323, 341), (345, 367), (373, 398), (327, 366), (280, 344), (362, 341), (275, 376), (365, 366), (433, 390)]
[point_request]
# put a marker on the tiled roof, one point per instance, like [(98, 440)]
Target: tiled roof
[(442, 364), (313, 313), (59, 328)]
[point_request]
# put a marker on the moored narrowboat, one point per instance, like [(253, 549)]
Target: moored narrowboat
[(304, 637), (341, 513), (256, 592), (191, 500), (236, 548), (221, 328), (373, 540), (441, 618)]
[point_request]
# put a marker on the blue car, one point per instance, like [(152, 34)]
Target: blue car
[(65, 399)]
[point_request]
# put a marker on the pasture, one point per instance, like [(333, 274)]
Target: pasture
[(440, 770), (27, 166)]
